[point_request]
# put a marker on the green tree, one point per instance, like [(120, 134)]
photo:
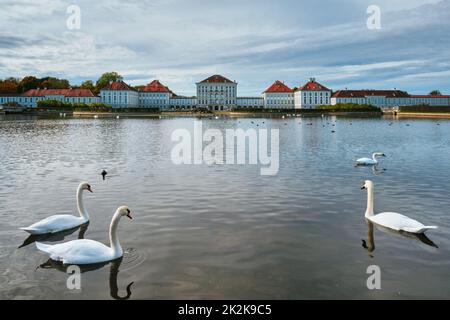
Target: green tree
[(105, 79), (435, 93), (88, 84)]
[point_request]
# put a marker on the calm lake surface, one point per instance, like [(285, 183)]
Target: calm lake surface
[(225, 231)]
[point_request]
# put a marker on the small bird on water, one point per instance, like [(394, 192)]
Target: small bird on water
[(104, 173)]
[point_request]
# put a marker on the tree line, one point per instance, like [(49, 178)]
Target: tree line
[(17, 86)]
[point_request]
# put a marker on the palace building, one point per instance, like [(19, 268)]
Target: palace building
[(278, 96), (217, 93), (120, 95), (30, 98), (311, 95), (154, 95), (387, 98)]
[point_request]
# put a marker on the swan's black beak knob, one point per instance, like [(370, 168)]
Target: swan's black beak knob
[(129, 216), (363, 187)]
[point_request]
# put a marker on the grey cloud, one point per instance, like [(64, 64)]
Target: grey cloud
[(183, 41)]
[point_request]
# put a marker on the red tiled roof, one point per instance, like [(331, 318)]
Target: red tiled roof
[(312, 85), (367, 93), (278, 86), (78, 92), (155, 86), (75, 92), (217, 79), (118, 85)]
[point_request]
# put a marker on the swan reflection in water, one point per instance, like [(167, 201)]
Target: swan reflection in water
[(113, 273), (376, 169), (370, 244), (55, 237)]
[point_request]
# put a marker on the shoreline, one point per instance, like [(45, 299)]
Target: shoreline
[(236, 114), (115, 114), (232, 114), (424, 115)]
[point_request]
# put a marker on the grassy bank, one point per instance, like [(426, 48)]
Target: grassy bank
[(425, 109)]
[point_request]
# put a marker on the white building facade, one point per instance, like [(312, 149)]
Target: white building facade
[(120, 95), (155, 95), (250, 102), (217, 93), (278, 96), (387, 98), (182, 103), (312, 95)]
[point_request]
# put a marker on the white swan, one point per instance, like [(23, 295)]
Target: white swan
[(391, 220), (368, 161), (61, 222), (83, 252)]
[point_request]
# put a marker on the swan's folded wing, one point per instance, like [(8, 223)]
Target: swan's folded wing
[(399, 222), (54, 224), (82, 252), (364, 161), (31, 230), (44, 247)]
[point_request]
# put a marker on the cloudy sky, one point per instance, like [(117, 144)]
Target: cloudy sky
[(253, 42)]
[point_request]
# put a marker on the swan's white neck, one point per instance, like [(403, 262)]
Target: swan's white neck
[(369, 210), (80, 204), (374, 157), (113, 238)]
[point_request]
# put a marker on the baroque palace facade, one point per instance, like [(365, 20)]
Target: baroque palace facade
[(218, 93)]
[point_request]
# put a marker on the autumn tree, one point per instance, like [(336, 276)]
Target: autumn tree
[(31, 82), (54, 83), (28, 83), (9, 85)]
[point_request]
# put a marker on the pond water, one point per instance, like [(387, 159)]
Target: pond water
[(226, 231)]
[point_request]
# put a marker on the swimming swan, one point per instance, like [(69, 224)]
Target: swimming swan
[(368, 161), (83, 252), (391, 220), (61, 222)]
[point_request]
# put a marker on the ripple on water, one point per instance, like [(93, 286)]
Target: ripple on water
[(132, 259)]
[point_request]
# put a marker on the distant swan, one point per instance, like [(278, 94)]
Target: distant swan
[(391, 220), (84, 252), (368, 161), (61, 222)]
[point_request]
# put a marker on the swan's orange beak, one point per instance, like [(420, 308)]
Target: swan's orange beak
[(129, 216), (363, 187), (89, 189)]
